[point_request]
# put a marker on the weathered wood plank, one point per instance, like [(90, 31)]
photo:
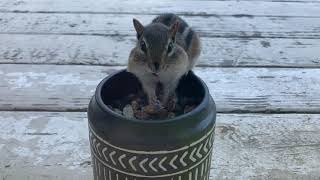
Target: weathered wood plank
[(61, 88), (247, 146), (52, 172), (114, 50), (115, 24), (204, 7)]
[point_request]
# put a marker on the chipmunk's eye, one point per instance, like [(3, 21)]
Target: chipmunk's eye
[(143, 46), (170, 48)]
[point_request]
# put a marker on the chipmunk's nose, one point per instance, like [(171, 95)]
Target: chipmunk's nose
[(156, 66)]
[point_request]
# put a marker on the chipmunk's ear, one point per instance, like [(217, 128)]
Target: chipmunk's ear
[(173, 30), (139, 27)]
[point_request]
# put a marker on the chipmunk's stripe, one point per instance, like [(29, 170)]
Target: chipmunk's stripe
[(183, 26), (189, 38), (167, 19), (138, 36), (164, 19)]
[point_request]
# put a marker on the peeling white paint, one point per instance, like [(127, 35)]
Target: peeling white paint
[(12, 128), (69, 78), (23, 152), (68, 133), (59, 140), (20, 82), (51, 80)]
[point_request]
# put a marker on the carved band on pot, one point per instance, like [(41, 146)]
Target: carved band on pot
[(158, 162)]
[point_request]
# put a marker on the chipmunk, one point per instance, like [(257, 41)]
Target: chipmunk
[(166, 49)]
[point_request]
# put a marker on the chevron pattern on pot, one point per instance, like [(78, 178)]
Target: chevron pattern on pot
[(148, 164)]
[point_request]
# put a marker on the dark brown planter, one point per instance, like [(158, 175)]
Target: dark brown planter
[(172, 149)]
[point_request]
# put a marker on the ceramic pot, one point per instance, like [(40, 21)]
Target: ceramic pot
[(170, 149)]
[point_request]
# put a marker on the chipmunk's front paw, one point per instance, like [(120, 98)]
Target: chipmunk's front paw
[(172, 102)]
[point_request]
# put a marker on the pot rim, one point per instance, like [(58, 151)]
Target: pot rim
[(198, 109)]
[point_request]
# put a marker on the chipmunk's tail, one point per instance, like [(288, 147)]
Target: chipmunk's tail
[(187, 37)]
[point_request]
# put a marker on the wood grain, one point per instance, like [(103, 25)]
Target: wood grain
[(116, 24), (203, 7), (69, 88), (114, 50), (247, 146)]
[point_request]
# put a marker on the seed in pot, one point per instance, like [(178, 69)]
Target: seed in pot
[(135, 106), (128, 111), (152, 109)]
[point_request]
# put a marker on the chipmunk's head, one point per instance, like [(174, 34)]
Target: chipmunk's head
[(156, 44)]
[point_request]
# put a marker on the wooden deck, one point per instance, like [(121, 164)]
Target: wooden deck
[(260, 60)]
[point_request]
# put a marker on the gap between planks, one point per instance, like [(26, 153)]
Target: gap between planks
[(232, 36), (137, 13), (198, 66)]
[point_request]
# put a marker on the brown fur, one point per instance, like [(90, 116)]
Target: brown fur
[(154, 63)]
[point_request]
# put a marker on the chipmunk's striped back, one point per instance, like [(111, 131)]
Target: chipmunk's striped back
[(186, 37)]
